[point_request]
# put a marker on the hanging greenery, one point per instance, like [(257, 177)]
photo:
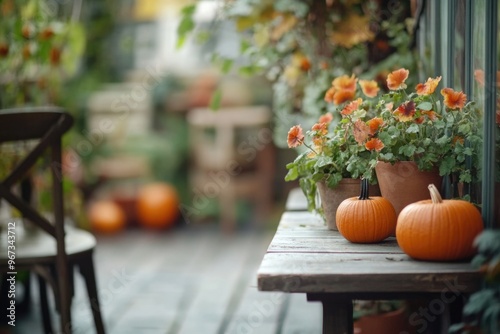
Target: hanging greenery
[(301, 45)]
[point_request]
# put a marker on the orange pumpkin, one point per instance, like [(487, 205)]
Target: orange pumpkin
[(366, 219), (106, 217), (437, 229), (157, 205)]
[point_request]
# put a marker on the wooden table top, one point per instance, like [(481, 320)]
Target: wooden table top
[(304, 256)]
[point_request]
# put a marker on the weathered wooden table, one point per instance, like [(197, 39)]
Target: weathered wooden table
[(305, 257)]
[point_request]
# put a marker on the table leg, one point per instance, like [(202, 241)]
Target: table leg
[(337, 315)]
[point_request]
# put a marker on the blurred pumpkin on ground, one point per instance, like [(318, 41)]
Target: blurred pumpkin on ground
[(157, 205), (106, 216)]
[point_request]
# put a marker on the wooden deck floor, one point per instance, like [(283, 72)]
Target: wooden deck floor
[(187, 281)]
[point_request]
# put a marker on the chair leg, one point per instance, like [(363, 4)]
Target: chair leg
[(65, 306), (87, 270), (44, 304)]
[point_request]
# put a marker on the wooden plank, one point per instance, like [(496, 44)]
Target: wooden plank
[(301, 220), (330, 243), (304, 232), (215, 286), (257, 313), (253, 311), (334, 272)]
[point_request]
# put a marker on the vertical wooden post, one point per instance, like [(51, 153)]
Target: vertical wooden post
[(337, 313)]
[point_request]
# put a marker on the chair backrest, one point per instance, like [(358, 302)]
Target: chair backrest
[(47, 124), (214, 153)]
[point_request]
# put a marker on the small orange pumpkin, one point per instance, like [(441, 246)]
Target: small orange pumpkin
[(366, 219), (157, 205), (106, 217), (437, 229)]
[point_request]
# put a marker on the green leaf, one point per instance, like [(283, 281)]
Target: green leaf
[(333, 180), (226, 66), (186, 25), (76, 47), (188, 10), (244, 46), (446, 166), (249, 70), (442, 140), (292, 174), (457, 329), (358, 114), (479, 260), (413, 128), (491, 317), (216, 99), (464, 128), (386, 156), (323, 161), (419, 150), (425, 106), (487, 242), (427, 142), (407, 150), (479, 301)]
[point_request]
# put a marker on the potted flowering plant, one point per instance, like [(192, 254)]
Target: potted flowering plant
[(423, 133), (419, 133), (334, 158)]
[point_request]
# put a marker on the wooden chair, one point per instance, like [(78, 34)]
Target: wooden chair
[(232, 158), (53, 250)]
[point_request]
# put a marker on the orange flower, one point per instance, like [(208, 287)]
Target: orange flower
[(369, 87), (326, 118), (295, 136), (375, 124), (361, 131), (389, 106), (319, 142), (405, 112), (430, 114), (312, 154), (305, 64), (329, 95), (428, 87), (396, 79), (453, 99), (345, 82), (458, 139), (419, 120), (374, 144), (342, 96), (354, 105), (320, 129)]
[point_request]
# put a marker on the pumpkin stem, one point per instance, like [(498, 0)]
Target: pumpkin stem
[(364, 190), (435, 195)]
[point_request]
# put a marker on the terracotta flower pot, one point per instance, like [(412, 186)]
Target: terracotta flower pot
[(394, 322), (332, 197), (403, 183)]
